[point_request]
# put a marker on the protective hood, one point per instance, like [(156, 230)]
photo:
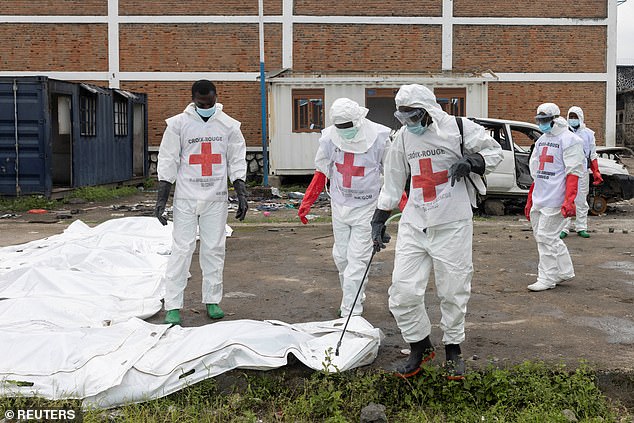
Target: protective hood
[(345, 110), (579, 112), (548, 109), (561, 125), (419, 96), (551, 109)]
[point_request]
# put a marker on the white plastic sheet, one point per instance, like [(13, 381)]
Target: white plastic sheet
[(185, 356), (70, 322)]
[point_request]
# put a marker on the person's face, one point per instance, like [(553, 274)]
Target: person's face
[(204, 101), (412, 115), (573, 116)]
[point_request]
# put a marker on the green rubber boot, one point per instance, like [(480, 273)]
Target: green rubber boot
[(214, 311), (173, 317), (583, 234), (563, 234)]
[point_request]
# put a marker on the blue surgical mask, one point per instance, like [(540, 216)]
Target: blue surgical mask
[(545, 127), (417, 129), (347, 133), (207, 113), (574, 123)]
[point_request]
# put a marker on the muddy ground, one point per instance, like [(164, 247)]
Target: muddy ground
[(278, 269)]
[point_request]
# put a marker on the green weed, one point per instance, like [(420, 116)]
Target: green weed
[(98, 193), (530, 392)]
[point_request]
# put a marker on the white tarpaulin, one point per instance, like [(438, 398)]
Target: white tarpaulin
[(185, 356), (70, 313)]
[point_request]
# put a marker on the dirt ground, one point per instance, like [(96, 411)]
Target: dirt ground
[(278, 269)]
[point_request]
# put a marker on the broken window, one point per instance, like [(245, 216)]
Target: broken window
[(120, 117), (308, 110), (88, 114)]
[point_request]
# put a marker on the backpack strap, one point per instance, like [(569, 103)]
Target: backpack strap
[(460, 128), (459, 123)]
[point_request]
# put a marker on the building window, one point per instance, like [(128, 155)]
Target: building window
[(452, 100), (88, 114), (308, 110), (120, 117)]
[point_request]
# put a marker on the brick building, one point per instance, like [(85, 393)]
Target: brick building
[(496, 58)]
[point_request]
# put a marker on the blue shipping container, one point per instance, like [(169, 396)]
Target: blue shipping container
[(57, 134)]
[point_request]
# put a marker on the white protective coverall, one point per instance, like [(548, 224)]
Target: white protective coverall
[(435, 229), (557, 154), (590, 152), (354, 168), (199, 156)]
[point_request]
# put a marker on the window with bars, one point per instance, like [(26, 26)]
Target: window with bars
[(308, 110), (88, 114), (120, 117)]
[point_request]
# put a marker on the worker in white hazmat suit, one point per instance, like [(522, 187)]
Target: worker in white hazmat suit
[(580, 221), (351, 153), (200, 148), (435, 229), (556, 164)]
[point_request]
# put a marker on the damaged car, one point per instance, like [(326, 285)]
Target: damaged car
[(508, 184)]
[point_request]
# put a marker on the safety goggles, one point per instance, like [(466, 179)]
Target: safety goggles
[(411, 117), (344, 125), (543, 119)]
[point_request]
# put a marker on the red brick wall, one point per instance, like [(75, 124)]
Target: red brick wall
[(529, 49), (179, 7), (366, 48), (54, 7), (519, 101), (178, 47), (240, 100), (368, 8), (54, 47), (530, 9)]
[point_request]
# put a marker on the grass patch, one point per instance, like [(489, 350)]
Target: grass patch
[(90, 194), (20, 204), (530, 392)]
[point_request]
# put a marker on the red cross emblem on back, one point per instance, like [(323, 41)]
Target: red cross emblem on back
[(428, 180), (348, 169), (545, 158), (206, 159)]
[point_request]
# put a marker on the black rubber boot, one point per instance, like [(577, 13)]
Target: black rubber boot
[(420, 353), (454, 362)]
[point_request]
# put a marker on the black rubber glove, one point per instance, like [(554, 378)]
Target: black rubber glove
[(164, 189), (241, 191), (379, 238), (385, 236), (466, 165)]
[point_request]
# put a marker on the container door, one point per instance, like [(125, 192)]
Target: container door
[(23, 137), (380, 103), (139, 150), (61, 151)]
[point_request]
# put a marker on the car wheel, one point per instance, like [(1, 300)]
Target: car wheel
[(598, 205)]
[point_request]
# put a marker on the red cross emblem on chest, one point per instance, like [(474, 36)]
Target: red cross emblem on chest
[(348, 169), (545, 158), (206, 159), (428, 180)]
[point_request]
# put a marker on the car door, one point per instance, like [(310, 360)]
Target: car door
[(502, 180), (523, 137)]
